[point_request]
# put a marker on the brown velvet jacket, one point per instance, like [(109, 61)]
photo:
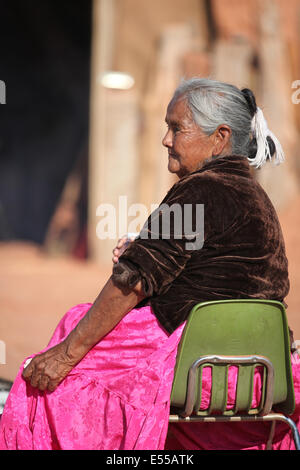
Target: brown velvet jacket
[(243, 254)]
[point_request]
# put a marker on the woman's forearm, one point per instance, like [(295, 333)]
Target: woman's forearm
[(111, 305), (46, 370)]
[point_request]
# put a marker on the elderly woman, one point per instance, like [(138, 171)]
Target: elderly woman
[(104, 380)]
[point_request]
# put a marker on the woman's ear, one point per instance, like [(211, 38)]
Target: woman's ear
[(222, 140)]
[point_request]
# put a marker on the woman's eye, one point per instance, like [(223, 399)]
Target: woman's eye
[(174, 129)]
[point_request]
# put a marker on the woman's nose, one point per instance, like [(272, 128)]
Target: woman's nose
[(167, 140)]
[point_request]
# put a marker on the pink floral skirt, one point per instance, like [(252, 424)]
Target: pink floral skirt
[(118, 398)]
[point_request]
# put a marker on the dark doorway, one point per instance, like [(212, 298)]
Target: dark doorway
[(45, 64)]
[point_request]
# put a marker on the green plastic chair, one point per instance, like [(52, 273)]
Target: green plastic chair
[(246, 333)]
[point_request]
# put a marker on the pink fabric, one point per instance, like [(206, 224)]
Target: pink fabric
[(118, 396), (235, 436)]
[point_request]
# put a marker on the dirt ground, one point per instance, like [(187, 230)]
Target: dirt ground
[(36, 290)]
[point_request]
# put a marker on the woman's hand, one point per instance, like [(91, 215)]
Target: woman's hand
[(46, 370), (122, 245)]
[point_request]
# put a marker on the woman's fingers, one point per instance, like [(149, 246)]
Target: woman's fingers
[(122, 244), (116, 250), (116, 254), (28, 369), (35, 378), (43, 383), (121, 241), (33, 372), (52, 384), (48, 369)]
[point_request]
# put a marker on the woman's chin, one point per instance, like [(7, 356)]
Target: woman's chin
[(173, 166)]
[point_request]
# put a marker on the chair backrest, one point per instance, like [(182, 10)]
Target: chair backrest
[(236, 328)]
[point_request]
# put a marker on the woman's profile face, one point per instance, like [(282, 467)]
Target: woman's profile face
[(188, 146)]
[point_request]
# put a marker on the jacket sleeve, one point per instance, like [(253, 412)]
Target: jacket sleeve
[(163, 248)]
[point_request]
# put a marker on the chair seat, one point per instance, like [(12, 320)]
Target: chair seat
[(246, 333)]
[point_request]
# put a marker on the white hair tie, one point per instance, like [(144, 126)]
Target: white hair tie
[(261, 131)]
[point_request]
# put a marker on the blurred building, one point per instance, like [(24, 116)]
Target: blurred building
[(70, 143), (250, 44)]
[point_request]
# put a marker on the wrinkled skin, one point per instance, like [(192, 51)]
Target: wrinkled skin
[(122, 244), (188, 146), (48, 369)]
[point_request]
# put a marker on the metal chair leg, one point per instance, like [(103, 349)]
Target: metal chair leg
[(271, 436), (223, 419), (295, 432), (291, 424)]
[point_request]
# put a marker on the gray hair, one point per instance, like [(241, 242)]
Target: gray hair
[(213, 103)]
